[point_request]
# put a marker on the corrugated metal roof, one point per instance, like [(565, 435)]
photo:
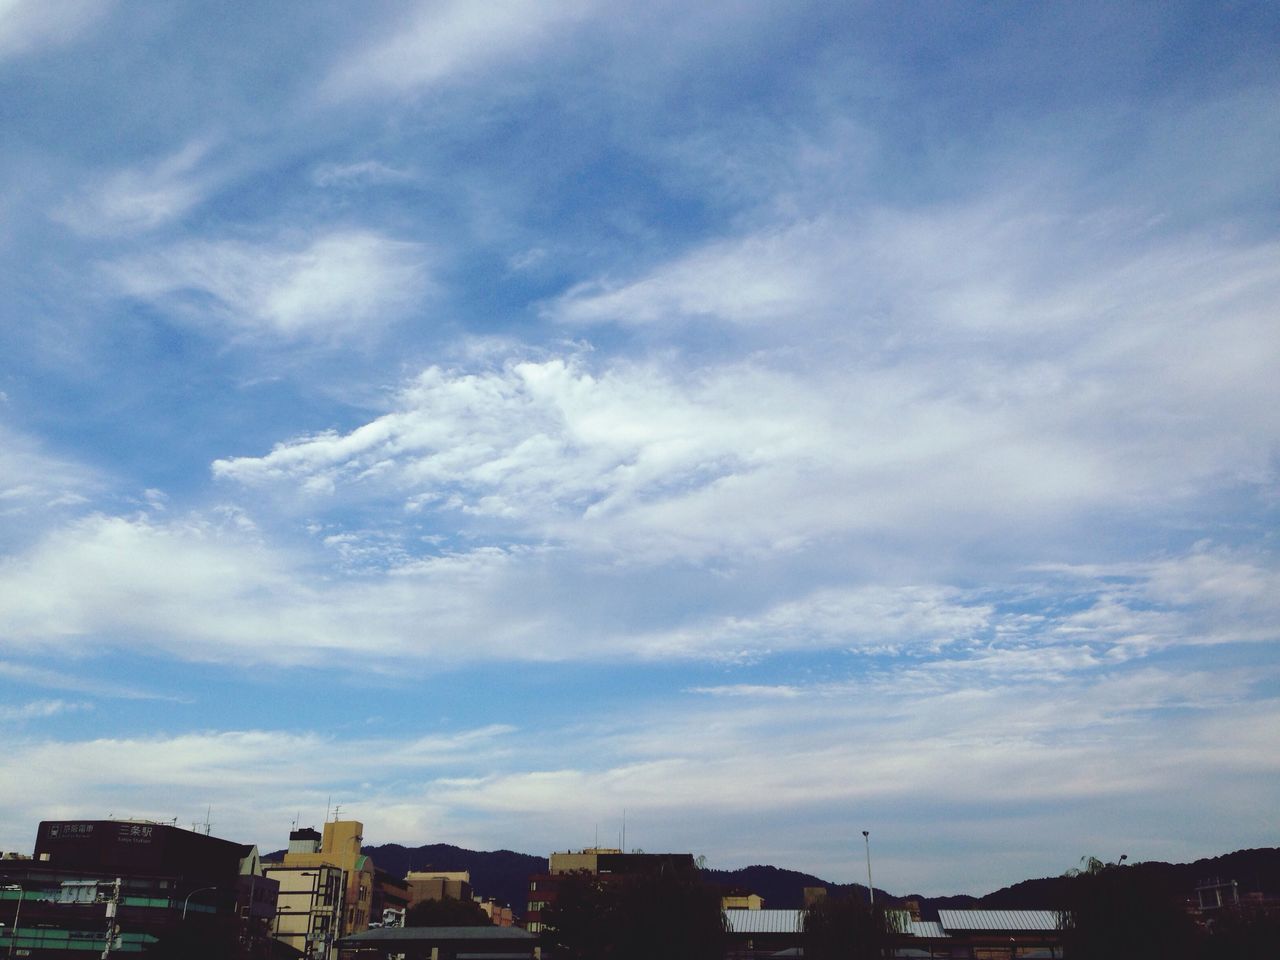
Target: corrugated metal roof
[(764, 921), (1011, 920), (925, 928)]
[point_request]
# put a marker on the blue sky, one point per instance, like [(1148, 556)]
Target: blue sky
[(776, 421)]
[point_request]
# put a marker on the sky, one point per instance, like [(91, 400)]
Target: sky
[(763, 422)]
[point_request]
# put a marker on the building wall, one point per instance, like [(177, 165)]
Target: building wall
[(437, 886), (309, 905), (340, 848)]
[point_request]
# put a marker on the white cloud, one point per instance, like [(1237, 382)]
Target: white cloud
[(28, 25), (210, 590), (33, 481), (338, 285), (142, 197), (450, 39), (649, 464), (39, 710), (350, 175), (873, 618), (161, 776)]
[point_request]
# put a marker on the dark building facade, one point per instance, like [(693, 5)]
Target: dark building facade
[(95, 888)]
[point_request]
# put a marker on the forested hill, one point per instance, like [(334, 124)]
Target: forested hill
[(1256, 871), (504, 875), (501, 874)]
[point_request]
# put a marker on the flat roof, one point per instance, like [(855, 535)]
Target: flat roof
[(764, 921), (423, 934), (1011, 920)]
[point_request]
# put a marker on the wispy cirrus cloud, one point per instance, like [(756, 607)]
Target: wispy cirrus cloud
[(142, 197), (39, 710), (358, 174), (33, 481), (31, 25), (448, 40), (341, 284), (198, 589)]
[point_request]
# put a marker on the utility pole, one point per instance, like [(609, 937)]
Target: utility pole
[(17, 915), (113, 906), (871, 890)]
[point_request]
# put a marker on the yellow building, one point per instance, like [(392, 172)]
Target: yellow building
[(309, 908), (340, 847)]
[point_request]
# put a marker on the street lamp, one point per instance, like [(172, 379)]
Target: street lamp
[(17, 914), (871, 891), (190, 895)]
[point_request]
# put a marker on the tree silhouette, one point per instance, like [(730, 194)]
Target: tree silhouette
[(1114, 912), (845, 928), (634, 917), (446, 912)]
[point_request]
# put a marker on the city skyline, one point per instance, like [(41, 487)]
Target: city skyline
[(773, 423)]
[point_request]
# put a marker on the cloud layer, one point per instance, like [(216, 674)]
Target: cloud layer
[(760, 420)]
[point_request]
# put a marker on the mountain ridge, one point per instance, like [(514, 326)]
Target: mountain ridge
[(503, 875)]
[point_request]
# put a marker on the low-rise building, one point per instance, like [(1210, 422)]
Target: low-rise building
[(438, 885), (309, 908)]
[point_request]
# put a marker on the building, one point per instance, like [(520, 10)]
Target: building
[(438, 885), (604, 860), (499, 915), (988, 934), (339, 847), (120, 886), (762, 933), (390, 900), (955, 935), (741, 900), (309, 908)]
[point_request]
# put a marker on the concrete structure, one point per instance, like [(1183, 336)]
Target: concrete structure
[(742, 901), (340, 847), (438, 885), (500, 915), (309, 908), (602, 860)]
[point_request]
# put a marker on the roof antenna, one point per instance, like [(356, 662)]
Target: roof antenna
[(624, 829), (327, 802)]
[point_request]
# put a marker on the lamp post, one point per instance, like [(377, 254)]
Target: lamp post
[(17, 914), (190, 895), (871, 891)]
